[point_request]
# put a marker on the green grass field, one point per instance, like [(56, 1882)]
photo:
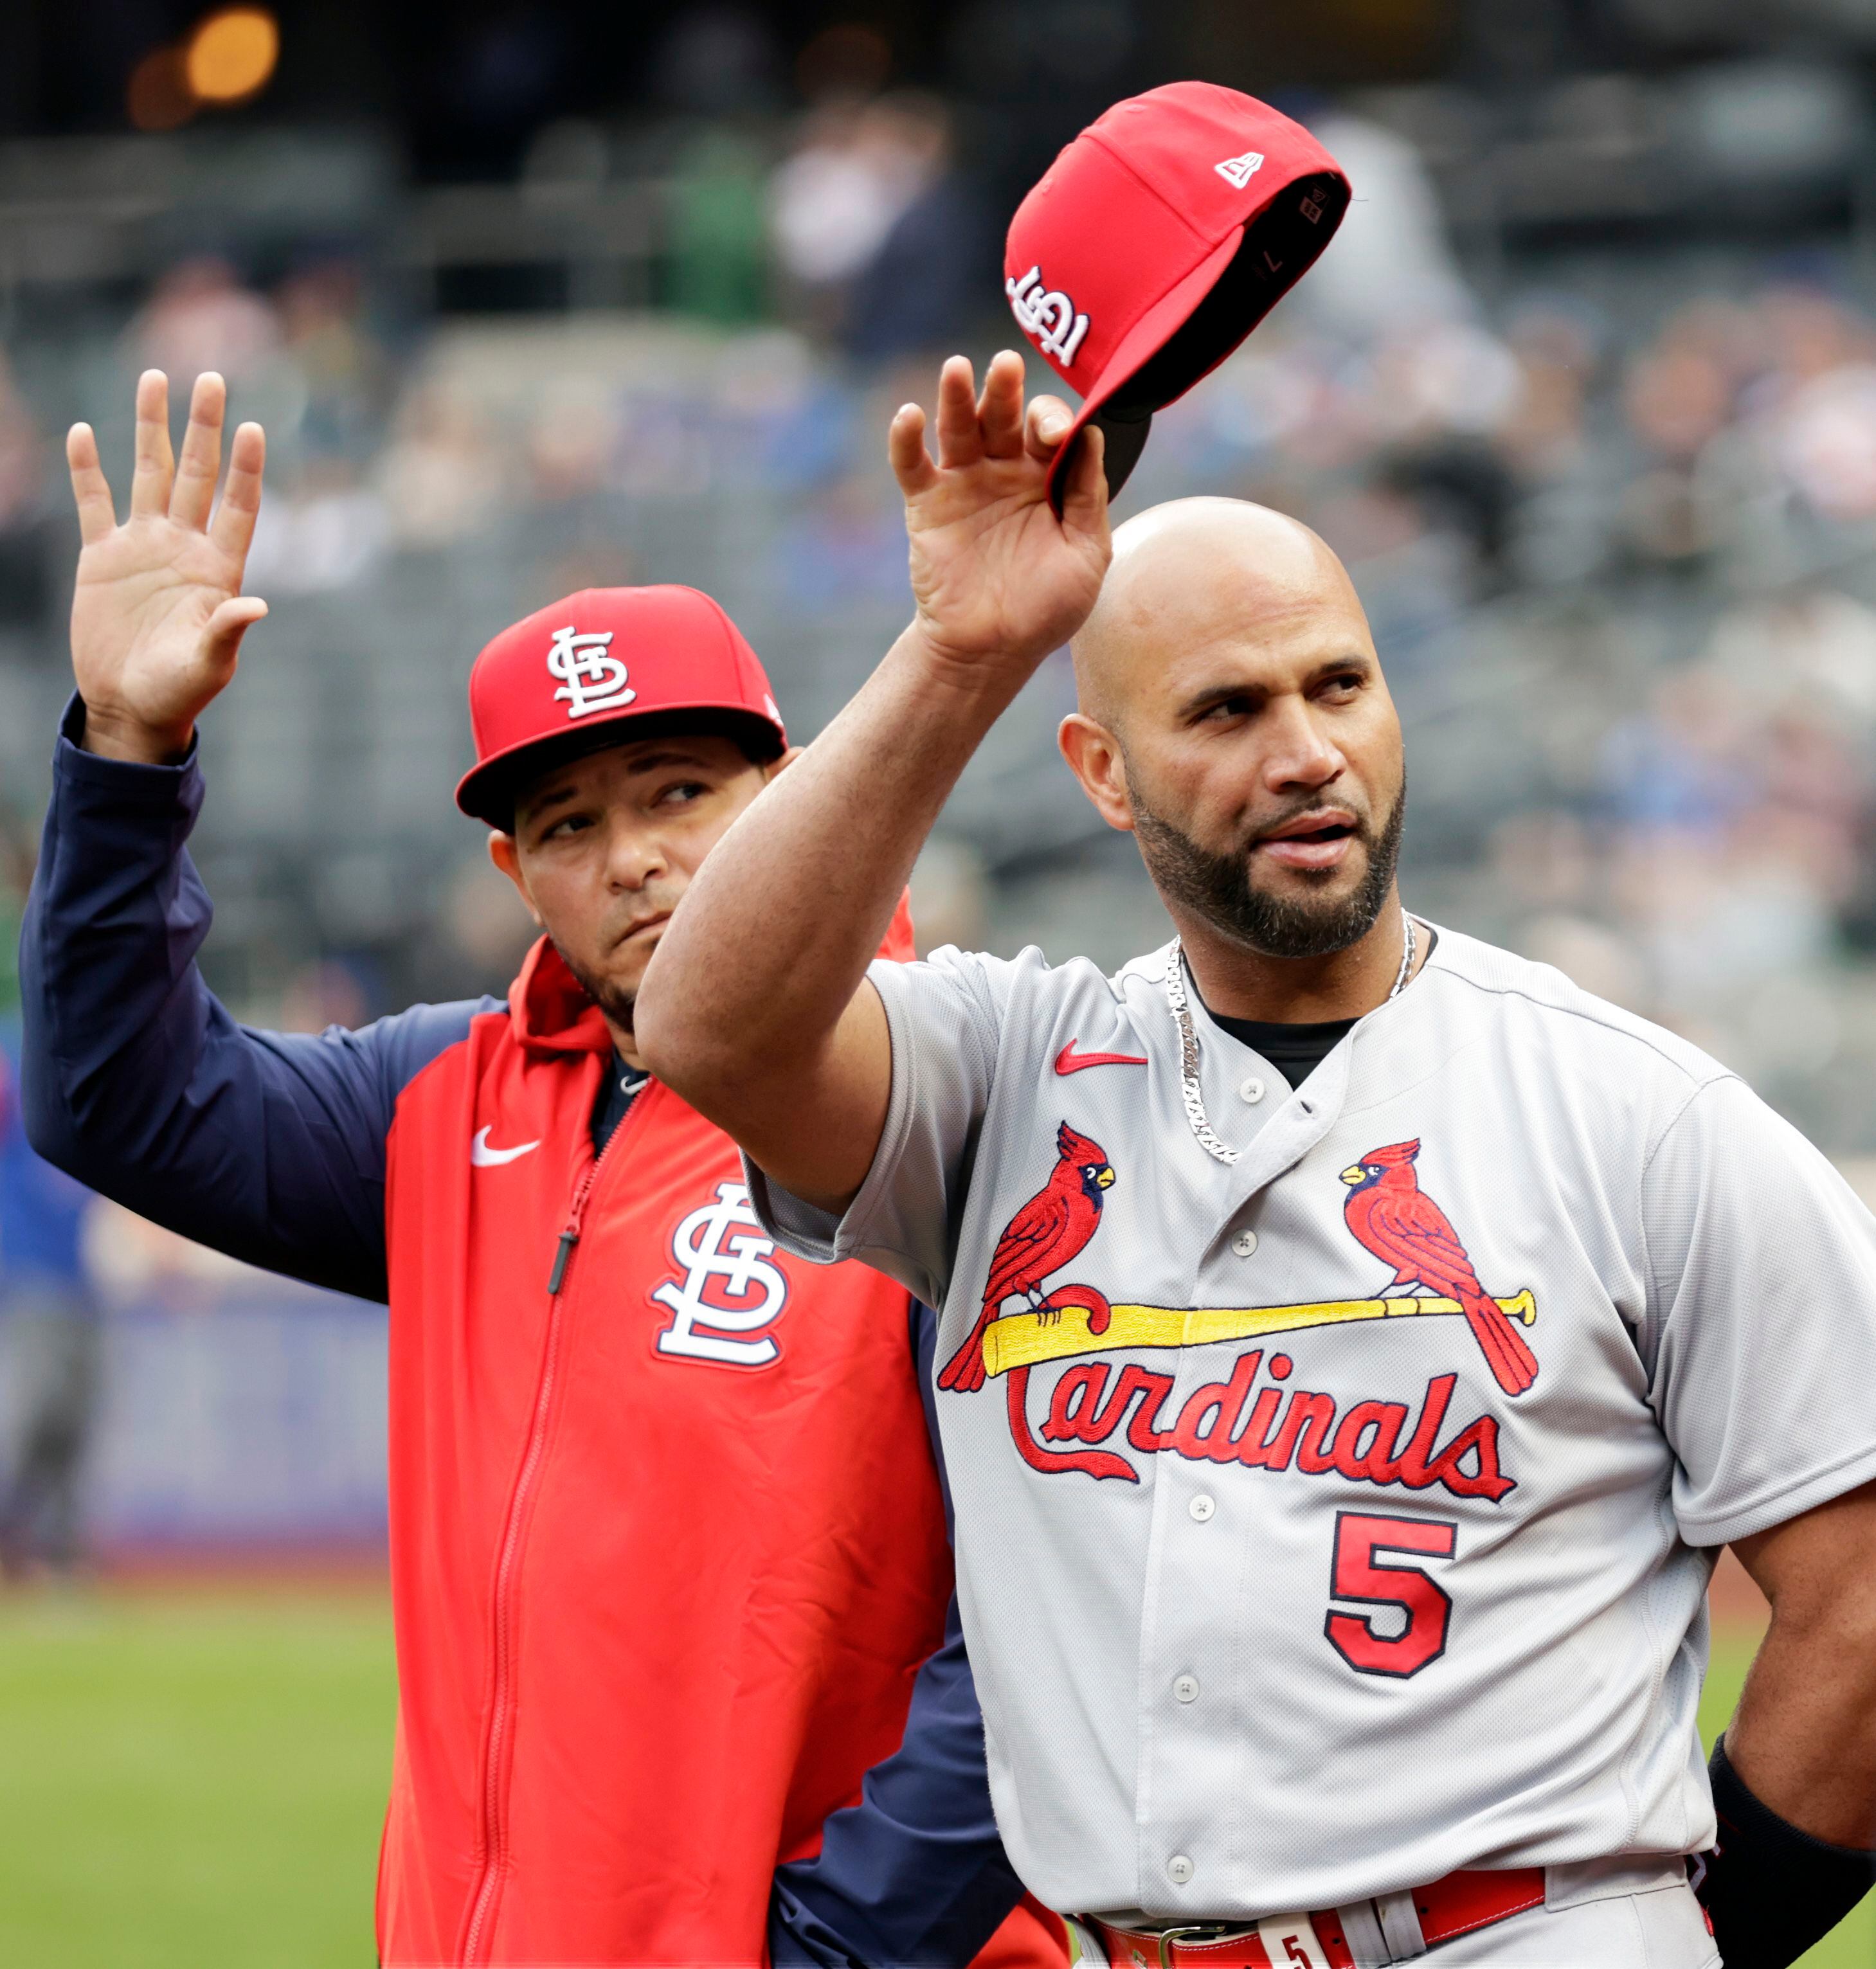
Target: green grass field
[(195, 1781)]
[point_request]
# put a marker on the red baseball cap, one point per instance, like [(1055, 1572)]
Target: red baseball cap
[(564, 680), (1157, 241)]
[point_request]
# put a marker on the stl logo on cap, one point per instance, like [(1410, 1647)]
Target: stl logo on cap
[(593, 680), (1048, 314), (683, 654)]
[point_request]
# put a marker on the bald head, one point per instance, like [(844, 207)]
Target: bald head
[(1192, 572), (1234, 719)]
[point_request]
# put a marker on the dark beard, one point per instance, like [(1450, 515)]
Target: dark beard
[(1218, 888), (617, 1005)]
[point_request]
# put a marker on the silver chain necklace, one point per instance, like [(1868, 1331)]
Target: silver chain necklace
[(1189, 1040)]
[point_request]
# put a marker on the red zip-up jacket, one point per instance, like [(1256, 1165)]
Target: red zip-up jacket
[(660, 1419), (668, 1540)]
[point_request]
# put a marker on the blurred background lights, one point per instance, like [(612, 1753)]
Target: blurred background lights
[(231, 55), (228, 59), (158, 96)]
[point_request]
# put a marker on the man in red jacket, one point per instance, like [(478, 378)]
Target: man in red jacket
[(669, 1552)]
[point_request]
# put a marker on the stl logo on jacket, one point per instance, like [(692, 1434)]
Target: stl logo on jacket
[(1401, 1224), (1051, 1229)]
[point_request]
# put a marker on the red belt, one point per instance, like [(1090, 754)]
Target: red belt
[(1455, 1905)]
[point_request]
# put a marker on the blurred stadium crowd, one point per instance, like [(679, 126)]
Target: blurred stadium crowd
[(1611, 507)]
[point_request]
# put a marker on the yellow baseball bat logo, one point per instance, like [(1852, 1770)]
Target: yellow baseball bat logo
[(1023, 1339)]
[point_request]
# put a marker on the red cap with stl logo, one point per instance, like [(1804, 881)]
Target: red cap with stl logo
[(565, 680), (1158, 239)]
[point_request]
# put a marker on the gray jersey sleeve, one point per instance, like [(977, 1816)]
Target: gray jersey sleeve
[(1760, 1332), (945, 1016)]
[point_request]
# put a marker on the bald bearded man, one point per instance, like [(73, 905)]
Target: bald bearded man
[(1356, 1343)]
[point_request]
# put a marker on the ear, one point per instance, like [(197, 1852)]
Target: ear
[(1094, 756), (506, 856), (782, 764)]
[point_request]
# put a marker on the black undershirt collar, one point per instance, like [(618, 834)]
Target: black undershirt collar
[(1296, 1051)]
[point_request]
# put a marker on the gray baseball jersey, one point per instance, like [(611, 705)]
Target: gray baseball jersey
[(1336, 1518)]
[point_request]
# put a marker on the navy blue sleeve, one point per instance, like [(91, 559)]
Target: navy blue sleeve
[(267, 1146), (915, 1873)]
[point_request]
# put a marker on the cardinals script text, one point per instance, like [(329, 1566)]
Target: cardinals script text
[(1268, 1428)]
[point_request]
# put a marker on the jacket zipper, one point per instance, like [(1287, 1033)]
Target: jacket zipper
[(494, 1790)]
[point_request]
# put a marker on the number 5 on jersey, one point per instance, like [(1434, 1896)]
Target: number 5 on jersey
[(1360, 1576)]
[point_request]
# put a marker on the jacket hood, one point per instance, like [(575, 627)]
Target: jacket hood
[(549, 1008)]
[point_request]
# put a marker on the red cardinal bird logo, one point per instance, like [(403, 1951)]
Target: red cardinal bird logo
[(1394, 1217), (1049, 1229)]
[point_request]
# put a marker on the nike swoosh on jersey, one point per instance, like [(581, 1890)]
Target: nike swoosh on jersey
[(483, 1156), (1069, 1061)]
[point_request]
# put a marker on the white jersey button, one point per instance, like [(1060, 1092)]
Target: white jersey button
[(1186, 1688), (1251, 1090), (1179, 1869), (1202, 1507), (1245, 1243)]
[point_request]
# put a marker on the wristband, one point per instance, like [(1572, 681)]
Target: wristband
[(1771, 1890)]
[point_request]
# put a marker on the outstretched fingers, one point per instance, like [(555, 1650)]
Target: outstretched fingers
[(905, 448), (90, 490), (960, 437), (228, 625), (201, 457), (1000, 409), (233, 531), (156, 462)]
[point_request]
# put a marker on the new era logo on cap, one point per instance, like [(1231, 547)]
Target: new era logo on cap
[(1239, 170)]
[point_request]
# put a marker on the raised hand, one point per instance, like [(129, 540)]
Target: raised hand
[(1000, 579), (158, 614)]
